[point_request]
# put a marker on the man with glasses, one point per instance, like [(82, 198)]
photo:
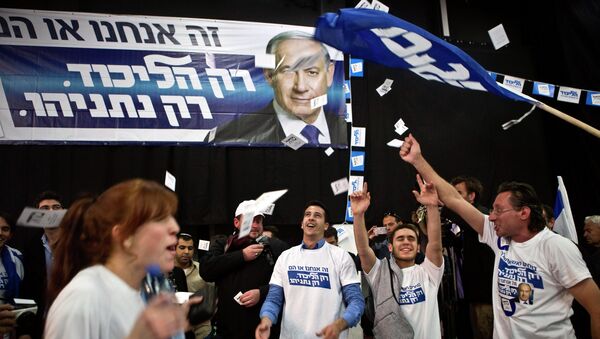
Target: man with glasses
[(525, 252), (37, 258)]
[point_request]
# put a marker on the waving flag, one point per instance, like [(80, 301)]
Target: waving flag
[(564, 223), (390, 41)]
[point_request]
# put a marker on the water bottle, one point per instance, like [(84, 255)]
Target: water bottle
[(153, 284)]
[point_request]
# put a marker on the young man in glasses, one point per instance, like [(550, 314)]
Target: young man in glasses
[(525, 252)]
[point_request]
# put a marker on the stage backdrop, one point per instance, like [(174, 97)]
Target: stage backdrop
[(93, 78)]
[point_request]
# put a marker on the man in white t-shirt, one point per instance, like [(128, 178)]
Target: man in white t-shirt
[(312, 282), (525, 252), (413, 287)]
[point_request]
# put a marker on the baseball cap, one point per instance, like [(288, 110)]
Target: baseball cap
[(246, 206)]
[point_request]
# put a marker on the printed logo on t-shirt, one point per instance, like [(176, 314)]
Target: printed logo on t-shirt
[(517, 282), (412, 294), (3, 280), (309, 276)]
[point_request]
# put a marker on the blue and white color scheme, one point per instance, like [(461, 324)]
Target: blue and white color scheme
[(544, 89), (309, 277), (593, 99), (569, 94), (393, 42), (357, 161), (96, 78), (413, 294), (564, 224), (356, 68)]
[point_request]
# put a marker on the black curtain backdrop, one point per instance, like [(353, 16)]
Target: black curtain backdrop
[(460, 131)]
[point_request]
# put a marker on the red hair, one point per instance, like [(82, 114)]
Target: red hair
[(86, 230)]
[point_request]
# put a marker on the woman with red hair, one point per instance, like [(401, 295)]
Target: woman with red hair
[(105, 247)]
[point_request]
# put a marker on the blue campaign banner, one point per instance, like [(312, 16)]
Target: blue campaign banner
[(356, 68), (541, 88), (593, 99), (385, 39), (93, 78), (347, 89), (357, 161), (349, 215)]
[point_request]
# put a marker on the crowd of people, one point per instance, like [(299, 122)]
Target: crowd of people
[(515, 277)]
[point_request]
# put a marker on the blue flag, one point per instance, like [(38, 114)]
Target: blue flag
[(390, 41)]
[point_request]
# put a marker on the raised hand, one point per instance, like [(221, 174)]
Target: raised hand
[(360, 200), (410, 151), (428, 194)]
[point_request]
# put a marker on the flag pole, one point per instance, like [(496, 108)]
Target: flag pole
[(569, 119)]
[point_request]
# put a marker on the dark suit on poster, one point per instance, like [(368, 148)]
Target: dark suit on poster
[(263, 128)]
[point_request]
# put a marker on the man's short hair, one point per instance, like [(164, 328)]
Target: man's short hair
[(410, 226), (594, 219), (331, 232), (47, 195), (392, 214), (523, 285), (184, 237), (472, 184), (273, 44), (320, 204), (523, 195), (9, 220), (549, 211), (271, 228)]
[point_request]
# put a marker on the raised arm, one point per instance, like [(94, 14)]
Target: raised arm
[(429, 198), (411, 153), (359, 202)]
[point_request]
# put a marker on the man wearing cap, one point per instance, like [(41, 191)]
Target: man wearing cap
[(241, 269)]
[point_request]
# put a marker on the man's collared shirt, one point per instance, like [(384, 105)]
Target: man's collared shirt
[(292, 125), (320, 244), (47, 255)]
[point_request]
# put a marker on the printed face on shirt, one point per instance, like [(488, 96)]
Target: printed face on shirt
[(591, 233), (404, 246), (313, 223), (302, 75), (4, 231), (184, 252), (256, 228), (154, 243), (524, 291)]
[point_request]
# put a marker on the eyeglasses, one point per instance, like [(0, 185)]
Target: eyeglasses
[(51, 207), (497, 212)]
